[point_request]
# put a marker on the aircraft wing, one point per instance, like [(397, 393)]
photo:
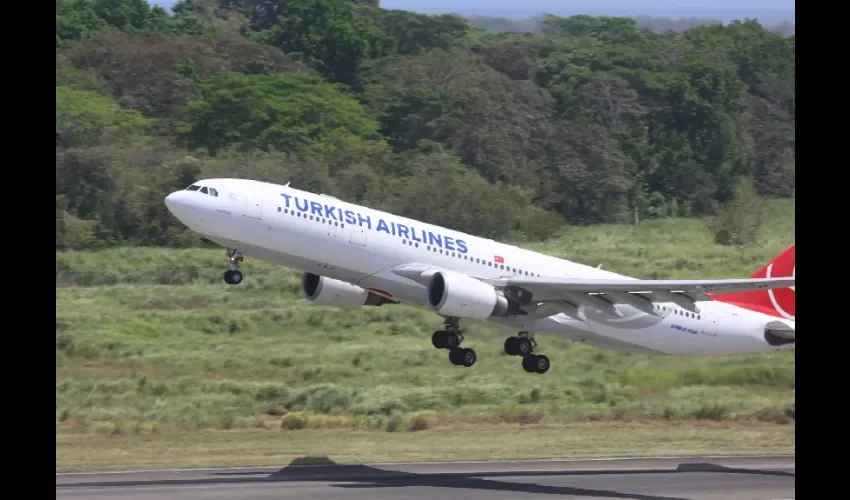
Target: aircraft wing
[(635, 292), (604, 293), (717, 286)]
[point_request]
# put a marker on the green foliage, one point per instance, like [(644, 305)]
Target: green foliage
[(738, 221), (84, 118), (582, 120), (117, 191), (330, 34), (77, 19), (415, 33), (273, 112)]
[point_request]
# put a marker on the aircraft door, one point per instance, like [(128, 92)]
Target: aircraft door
[(710, 320), (358, 235), (254, 206)]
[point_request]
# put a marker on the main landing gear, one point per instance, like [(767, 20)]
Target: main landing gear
[(450, 338), (234, 275), (523, 345)]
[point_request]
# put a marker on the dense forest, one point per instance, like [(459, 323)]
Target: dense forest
[(512, 135), (658, 24)]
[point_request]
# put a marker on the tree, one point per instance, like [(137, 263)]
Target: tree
[(158, 74), (585, 119), (414, 33), (84, 118), (75, 20), (738, 221), (283, 112), (330, 34)]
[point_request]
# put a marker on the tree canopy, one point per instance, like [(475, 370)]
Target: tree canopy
[(584, 120)]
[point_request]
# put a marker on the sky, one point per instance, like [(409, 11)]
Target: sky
[(725, 10)]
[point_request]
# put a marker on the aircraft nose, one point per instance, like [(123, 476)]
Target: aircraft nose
[(177, 204), (172, 200)]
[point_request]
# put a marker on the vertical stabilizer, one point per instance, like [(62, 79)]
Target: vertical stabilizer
[(779, 302)]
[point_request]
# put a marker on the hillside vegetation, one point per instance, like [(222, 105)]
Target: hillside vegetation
[(589, 120)]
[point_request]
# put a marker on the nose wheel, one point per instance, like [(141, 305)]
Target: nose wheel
[(234, 276), (523, 345)]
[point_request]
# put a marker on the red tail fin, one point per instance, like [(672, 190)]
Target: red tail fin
[(779, 302)]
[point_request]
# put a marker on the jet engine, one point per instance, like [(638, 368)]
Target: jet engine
[(778, 333), (330, 292), (461, 296)]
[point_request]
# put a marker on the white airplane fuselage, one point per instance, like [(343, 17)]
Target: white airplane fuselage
[(325, 236)]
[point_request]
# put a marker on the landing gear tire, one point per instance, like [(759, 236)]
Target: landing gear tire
[(450, 338), (510, 346), (517, 346), (233, 277), (542, 363), (523, 345), (445, 340), (535, 363), (460, 356)]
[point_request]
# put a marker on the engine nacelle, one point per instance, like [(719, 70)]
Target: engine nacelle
[(461, 296), (778, 333), (330, 292)]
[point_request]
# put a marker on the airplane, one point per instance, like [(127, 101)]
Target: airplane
[(353, 256)]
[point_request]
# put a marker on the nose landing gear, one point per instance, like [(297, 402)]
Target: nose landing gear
[(234, 276)]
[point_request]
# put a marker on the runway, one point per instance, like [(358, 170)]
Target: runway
[(693, 478)]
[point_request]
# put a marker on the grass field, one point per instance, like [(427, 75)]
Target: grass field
[(159, 363)]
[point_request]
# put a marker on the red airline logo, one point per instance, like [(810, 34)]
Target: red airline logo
[(499, 259)]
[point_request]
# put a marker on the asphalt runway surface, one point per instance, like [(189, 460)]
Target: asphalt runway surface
[(697, 478)]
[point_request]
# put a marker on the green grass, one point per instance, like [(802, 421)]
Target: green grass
[(153, 348)]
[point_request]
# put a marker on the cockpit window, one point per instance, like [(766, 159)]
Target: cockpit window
[(203, 189)]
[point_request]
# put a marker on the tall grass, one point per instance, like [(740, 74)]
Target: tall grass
[(148, 339)]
